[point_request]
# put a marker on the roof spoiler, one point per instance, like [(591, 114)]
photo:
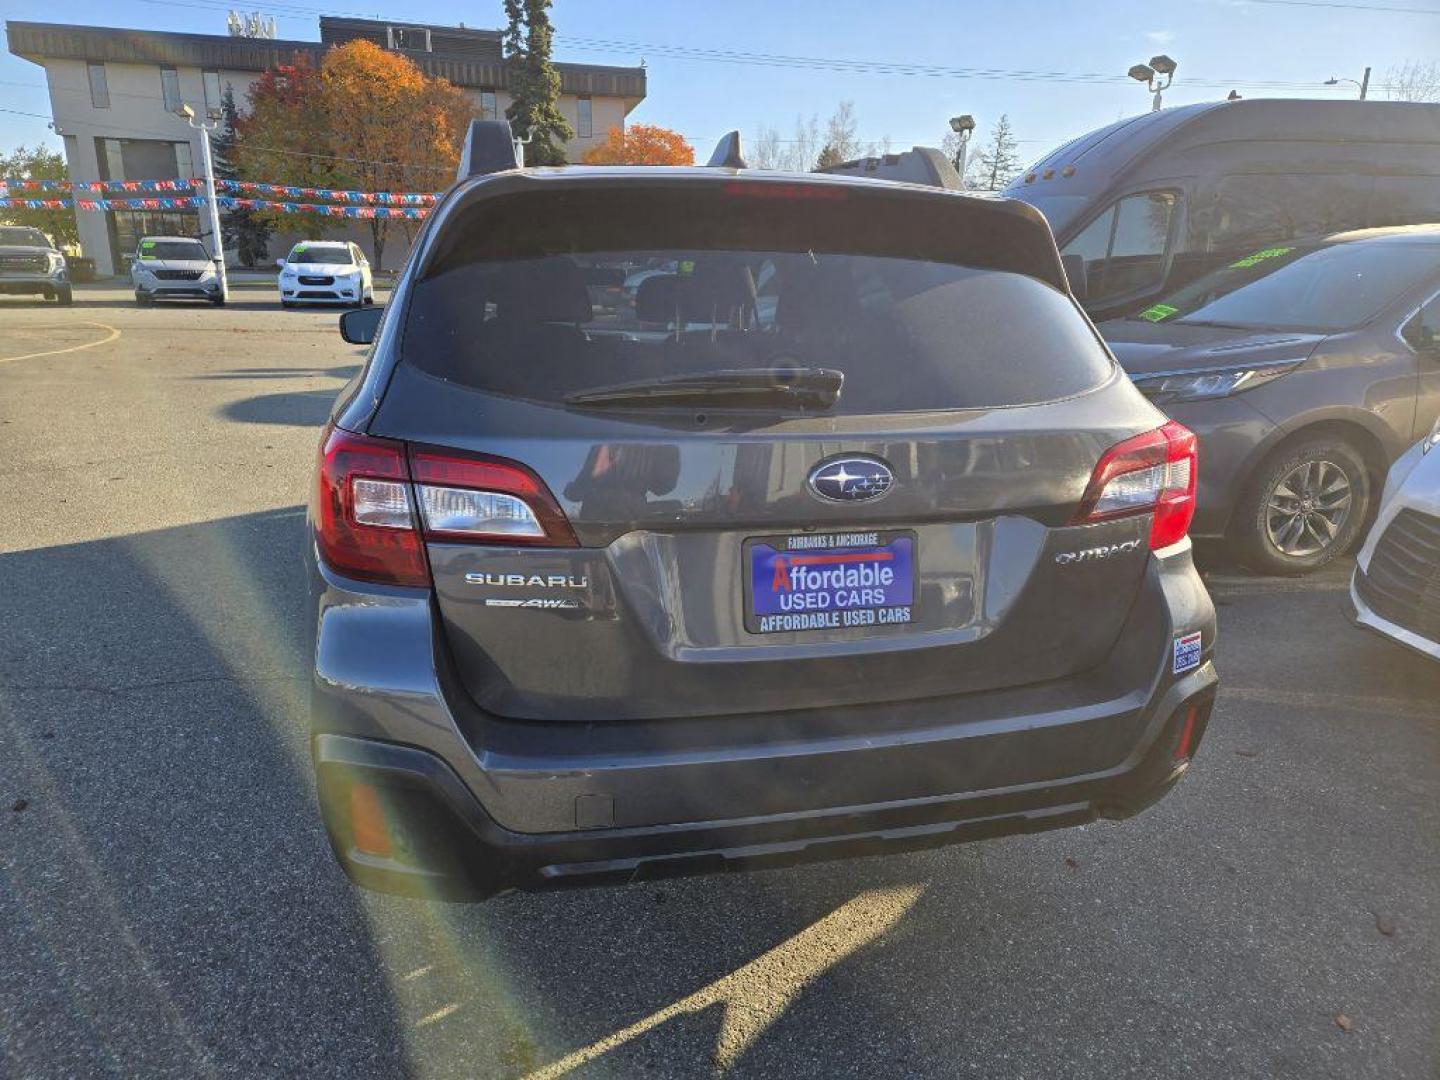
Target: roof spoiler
[(490, 147), (727, 153)]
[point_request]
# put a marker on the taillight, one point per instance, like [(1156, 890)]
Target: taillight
[(485, 499), (365, 521), (1152, 473), (376, 498)]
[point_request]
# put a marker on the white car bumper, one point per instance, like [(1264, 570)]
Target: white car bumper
[(1395, 590)]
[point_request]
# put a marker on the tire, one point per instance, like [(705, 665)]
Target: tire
[(65, 296), (218, 301), (141, 300), (367, 301), (1326, 482), (286, 304)]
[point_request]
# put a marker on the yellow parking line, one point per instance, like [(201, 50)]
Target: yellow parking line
[(114, 333)]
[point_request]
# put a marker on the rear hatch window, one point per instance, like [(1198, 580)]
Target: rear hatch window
[(554, 298)]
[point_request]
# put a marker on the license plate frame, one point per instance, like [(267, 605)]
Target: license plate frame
[(852, 548)]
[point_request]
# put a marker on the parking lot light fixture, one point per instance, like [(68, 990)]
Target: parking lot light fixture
[(963, 126), (1150, 74), (186, 113)]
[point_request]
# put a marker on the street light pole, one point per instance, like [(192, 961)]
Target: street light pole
[(1363, 84), (211, 195), (963, 127)]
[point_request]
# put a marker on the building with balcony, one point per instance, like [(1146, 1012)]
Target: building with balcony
[(113, 93)]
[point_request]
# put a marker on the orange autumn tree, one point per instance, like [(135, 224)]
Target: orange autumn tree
[(366, 120), (641, 144)]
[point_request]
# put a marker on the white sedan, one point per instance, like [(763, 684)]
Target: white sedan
[(325, 272), (1396, 587)]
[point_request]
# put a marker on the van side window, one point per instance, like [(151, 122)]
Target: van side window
[(1124, 248), (1422, 333), (1253, 211)]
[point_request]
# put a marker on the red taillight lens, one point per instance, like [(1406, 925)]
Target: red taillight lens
[(376, 497), (364, 520), (1150, 473), (486, 499)]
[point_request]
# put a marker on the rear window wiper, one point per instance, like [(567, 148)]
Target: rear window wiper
[(792, 387)]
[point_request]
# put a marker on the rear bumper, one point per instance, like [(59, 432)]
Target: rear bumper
[(470, 805), (441, 844)]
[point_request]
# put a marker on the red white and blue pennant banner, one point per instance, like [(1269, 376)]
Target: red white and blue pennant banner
[(100, 185), (367, 198), (413, 213)]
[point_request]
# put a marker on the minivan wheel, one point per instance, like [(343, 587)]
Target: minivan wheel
[(1305, 505)]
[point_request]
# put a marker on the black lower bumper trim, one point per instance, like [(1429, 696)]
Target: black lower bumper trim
[(443, 845)]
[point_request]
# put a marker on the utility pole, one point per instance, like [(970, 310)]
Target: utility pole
[(211, 195)]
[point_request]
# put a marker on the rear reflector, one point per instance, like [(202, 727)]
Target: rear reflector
[(1150, 473), (368, 828), (1185, 745)]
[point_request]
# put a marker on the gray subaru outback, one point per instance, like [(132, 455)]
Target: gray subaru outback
[(840, 533)]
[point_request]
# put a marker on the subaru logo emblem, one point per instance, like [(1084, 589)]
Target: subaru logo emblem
[(851, 479)]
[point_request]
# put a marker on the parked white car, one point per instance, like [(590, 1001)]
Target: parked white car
[(325, 272), (1396, 587), (174, 268)]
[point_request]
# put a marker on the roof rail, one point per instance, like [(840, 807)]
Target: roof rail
[(918, 165), (727, 153), (489, 148)]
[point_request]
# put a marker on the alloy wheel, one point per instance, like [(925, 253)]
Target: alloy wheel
[(1308, 508)]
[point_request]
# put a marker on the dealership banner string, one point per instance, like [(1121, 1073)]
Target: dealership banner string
[(369, 198), (100, 185)]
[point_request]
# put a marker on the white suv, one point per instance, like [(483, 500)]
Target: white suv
[(325, 272)]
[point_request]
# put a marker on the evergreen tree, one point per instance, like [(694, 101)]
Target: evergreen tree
[(246, 235), (1000, 160), (534, 83)]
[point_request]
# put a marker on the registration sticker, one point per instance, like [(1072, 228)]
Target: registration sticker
[(829, 581), (1187, 652)]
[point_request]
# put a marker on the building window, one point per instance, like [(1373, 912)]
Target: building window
[(99, 86), (410, 38), (184, 163), (112, 160), (170, 88), (488, 109), (213, 92), (585, 126)]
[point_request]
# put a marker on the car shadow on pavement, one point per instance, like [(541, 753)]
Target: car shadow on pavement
[(302, 408), (168, 902), (281, 373)]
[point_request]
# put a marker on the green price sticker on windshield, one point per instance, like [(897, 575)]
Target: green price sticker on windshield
[(1158, 313), (1259, 257), (147, 249)]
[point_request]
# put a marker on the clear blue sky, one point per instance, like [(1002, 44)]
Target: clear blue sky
[(1219, 44)]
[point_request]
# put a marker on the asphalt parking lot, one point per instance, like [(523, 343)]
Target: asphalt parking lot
[(169, 906)]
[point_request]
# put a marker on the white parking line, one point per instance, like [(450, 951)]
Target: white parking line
[(114, 333)]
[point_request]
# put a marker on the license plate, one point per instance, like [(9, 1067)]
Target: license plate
[(829, 581)]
